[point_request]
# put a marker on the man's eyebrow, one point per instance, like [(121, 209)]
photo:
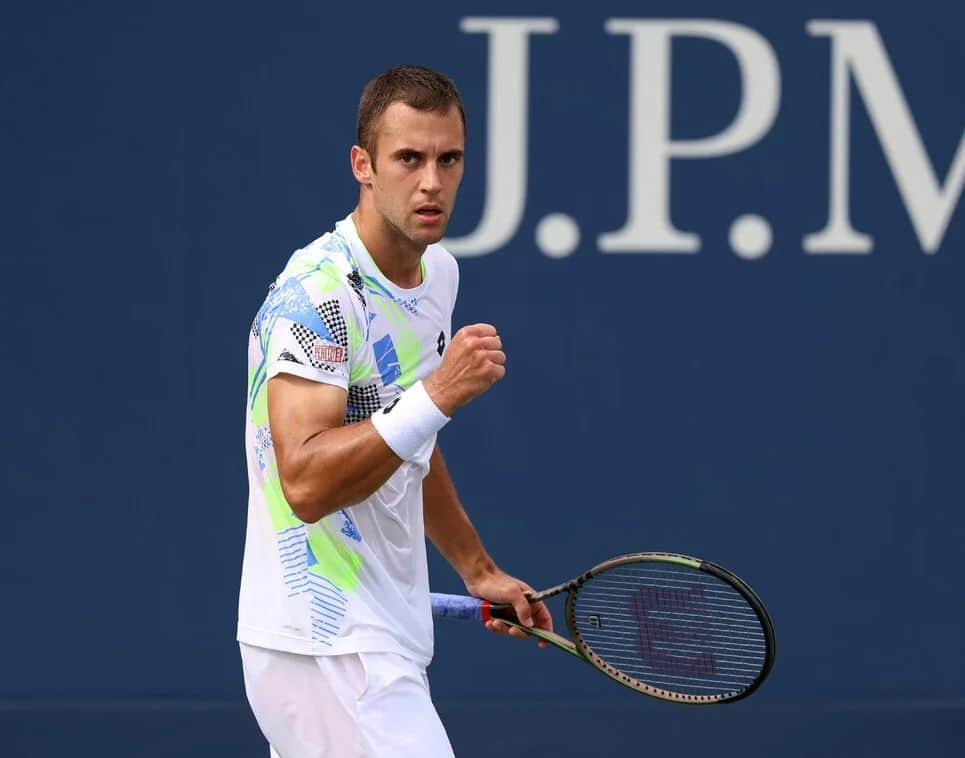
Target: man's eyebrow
[(409, 151), (454, 153)]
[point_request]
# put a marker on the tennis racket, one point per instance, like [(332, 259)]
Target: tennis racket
[(667, 625)]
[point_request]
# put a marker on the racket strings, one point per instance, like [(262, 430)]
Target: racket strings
[(672, 627)]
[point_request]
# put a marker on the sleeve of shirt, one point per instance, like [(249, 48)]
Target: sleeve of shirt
[(309, 330)]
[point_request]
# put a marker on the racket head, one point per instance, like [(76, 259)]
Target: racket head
[(673, 627)]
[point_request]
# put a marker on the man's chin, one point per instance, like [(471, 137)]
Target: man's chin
[(428, 236)]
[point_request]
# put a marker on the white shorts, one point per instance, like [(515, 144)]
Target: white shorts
[(359, 705)]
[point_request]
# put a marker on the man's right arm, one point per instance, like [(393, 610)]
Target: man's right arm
[(324, 466)]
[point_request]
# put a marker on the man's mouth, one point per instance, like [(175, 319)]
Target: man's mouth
[(429, 212)]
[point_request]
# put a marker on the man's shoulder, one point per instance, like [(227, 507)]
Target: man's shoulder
[(328, 254), (439, 252), (320, 277), (323, 267), (443, 261)]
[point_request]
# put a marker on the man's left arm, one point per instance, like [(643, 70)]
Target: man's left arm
[(451, 531)]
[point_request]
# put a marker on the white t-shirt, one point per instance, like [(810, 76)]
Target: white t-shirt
[(357, 580)]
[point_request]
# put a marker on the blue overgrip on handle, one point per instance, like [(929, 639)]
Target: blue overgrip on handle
[(457, 606)]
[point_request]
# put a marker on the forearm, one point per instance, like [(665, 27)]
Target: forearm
[(449, 527)]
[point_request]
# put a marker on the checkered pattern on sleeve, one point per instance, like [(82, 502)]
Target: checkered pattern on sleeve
[(306, 340), (331, 313)]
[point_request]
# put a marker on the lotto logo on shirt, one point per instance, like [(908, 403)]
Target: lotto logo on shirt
[(329, 353)]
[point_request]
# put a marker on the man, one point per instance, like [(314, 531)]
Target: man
[(352, 371)]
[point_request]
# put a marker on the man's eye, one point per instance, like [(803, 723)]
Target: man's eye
[(449, 160), (407, 158)]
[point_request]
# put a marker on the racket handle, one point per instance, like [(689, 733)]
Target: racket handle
[(460, 607)]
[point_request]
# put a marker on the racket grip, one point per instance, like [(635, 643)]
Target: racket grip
[(460, 607)]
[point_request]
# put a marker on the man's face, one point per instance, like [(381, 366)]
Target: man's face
[(419, 163)]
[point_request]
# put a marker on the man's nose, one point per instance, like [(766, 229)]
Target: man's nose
[(430, 178)]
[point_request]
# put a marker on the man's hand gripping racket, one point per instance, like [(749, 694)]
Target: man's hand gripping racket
[(670, 626)]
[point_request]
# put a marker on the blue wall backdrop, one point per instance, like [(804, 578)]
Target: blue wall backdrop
[(773, 401)]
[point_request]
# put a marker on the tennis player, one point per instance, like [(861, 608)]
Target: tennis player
[(352, 371)]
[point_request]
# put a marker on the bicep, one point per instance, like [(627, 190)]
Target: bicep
[(298, 410)]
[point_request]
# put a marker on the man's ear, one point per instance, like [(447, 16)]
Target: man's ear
[(362, 166)]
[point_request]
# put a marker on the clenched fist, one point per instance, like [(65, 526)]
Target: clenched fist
[(473, 362)]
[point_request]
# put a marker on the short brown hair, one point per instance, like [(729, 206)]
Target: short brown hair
[(417, 86)]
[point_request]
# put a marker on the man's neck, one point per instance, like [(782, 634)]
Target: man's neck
[(398, 258)]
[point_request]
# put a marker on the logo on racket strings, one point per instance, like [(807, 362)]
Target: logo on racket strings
[(670, 623)]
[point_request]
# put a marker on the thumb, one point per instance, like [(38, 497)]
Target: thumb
[(523, 609)]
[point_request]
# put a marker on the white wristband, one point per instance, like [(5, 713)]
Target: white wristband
[(409, 422)]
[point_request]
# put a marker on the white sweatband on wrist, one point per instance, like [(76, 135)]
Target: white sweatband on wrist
[(409, 422)]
